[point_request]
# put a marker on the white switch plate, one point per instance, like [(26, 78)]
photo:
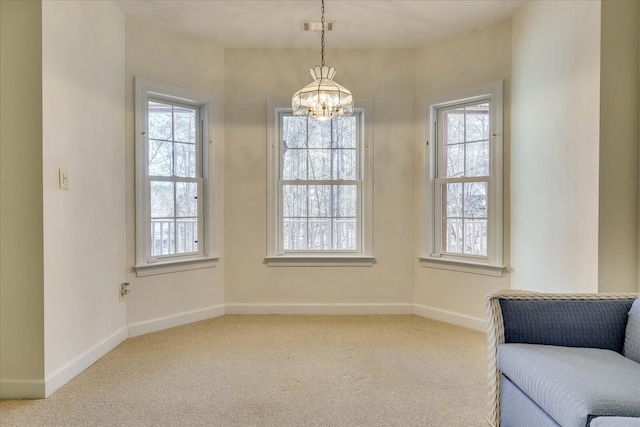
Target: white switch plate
[(63, 179)]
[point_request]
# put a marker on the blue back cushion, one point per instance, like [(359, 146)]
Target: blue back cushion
[(570, 323), (632, 336)]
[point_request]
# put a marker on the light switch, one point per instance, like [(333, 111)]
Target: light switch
[(63, 179)]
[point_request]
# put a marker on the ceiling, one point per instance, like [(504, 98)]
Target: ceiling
[(358, 23)]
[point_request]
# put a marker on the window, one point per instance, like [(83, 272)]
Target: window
[(172, 183), (462, 209), (320, 201)]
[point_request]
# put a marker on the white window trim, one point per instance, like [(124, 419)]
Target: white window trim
[(330, 258), (491, 265), (211, 167)]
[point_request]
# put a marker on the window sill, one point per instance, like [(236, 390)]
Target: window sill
[(175, 266), (319, 261), (462, 266)]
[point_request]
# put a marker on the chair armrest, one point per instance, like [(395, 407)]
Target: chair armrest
[(576, 320)]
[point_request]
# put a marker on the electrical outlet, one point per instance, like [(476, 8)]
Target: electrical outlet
[(124, 290)]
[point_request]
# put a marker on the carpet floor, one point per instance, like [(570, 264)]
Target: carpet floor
[(400, 370)]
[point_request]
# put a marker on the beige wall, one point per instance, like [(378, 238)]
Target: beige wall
[(384, 77), (21, 253), (167, 57), (618, 220), (83, 132), (479, 57), (555, 146)]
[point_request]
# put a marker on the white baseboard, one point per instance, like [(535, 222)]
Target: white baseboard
[(457, 319), (374, 308), (22, 389), (160, 323), (67, 372)]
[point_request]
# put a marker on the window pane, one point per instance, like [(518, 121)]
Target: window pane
[(345, 200), (454, 126), (160, 156), (454, 159), (344, 234), (186, 199), (477, 155), (185, 159), (186, 235), (318, 234), (162, 237), (294, 200), (294, 234), (295, 164), (294, 132), (475, 237), (319, 164), (162, 199), (453, 236), (477, 122), (320, 200), (452, 194), (160, 121), (319, 134), (475, 200), (344, 164), (184, 121), (344, 132)]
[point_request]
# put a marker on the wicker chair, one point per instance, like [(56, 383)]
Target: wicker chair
[(496, 331)]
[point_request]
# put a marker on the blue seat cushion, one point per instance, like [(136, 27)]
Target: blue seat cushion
[(572, 383), (615, 422)]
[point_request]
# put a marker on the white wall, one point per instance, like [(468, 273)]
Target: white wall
[(84, 227), (618, 232), (21, 274), (385, 77), (479, 57), (555, 146), (168, 57)]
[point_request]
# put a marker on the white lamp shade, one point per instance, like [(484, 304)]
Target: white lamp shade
[(322, 99)]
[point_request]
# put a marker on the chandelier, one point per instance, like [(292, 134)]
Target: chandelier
[(322, 99)]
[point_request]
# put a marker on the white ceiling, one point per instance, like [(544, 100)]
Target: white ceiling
[(358, 23)]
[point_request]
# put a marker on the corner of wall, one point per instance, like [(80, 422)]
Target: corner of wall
[(21, 206), (619, 127)]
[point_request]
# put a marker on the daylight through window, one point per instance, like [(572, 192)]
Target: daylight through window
[(319, 184), (174, 181), (463, 177)]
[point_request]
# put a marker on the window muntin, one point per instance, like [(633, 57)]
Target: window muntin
[(462, 177), (319, 185)]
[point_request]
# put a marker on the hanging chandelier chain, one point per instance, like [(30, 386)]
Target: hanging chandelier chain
[(322, 38)]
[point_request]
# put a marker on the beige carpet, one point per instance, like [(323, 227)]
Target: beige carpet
[(278, 371)]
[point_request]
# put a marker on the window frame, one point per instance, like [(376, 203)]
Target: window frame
[(276, 256), (432, 254), (146, 264)]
